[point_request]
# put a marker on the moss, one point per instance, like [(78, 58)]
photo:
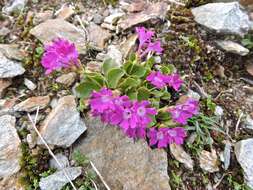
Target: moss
[(32, 165)]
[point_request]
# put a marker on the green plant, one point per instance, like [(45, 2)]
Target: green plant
[(80, 159), (236, 185), (247, 41), (202, 125)]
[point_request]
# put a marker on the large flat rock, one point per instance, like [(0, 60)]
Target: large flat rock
[(63, 125), (124, 164), (59, 28), (227, 18), (9, 147)]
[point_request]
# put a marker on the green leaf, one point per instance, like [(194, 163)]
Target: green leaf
[(129, 83), (132, 95), (113, 77), (85, 88), (166, 95), (167, 69), (143, 93), (108, 65), (138, 70), (164, 116), (96, 78)]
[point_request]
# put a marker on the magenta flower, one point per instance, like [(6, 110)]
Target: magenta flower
[(143, 112), (157, 79), (182, 112), (146, 44), (153, 47), (101, 101), (176, 135), (60, 54), (174, 81), (144, 36), (158, 136)]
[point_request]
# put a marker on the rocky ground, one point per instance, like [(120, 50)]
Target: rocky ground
[(209, 43)]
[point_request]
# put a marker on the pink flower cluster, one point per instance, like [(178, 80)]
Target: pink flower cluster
[(182, 112), (160, 80), (146, 44), (164, 136), (132, 117), (60, 54)]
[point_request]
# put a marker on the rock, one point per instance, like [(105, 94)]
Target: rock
[(249, 69), (248, 122), (42, 17), (153, 11), (29, 84), (232, 47), (4, 31), (209, 161), (11, 51), (60, 28), (9, 68), (59, 133), (65, 12), (113, 18), (115, 54), (123, 163), (94, 66), (193, 94), (137, 6), (244, 155), (9, 147), (62, 159), (14, 6), (67, 79), (218, 111), (31, 104), (11, 183), (227, 155), (98, 36), (98, 19), (128, 46), (4, 84), (31, 141), (108, 26), (157, 59), (227, 18), (180, 155), (57, 180)]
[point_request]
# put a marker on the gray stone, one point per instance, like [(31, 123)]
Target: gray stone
[(11, 51), (63, 125), (98, 36), (227, 18), (62, 159), (9, 146), (67, 79), (128, 46), (153, 11), (59, 28), (244, 155), (227, 155), (4, 31), (113, 18), (29, 84), (115, 54), (108, 26), (180, 155), (209, 161), (98, 19), (248, 122), (65, 12), (9, 68), (123, 163), (42, 16), (57, 180), (31, 141), (193, 94), (218, 111), (31, 104), (14, 6), (232, 47)]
